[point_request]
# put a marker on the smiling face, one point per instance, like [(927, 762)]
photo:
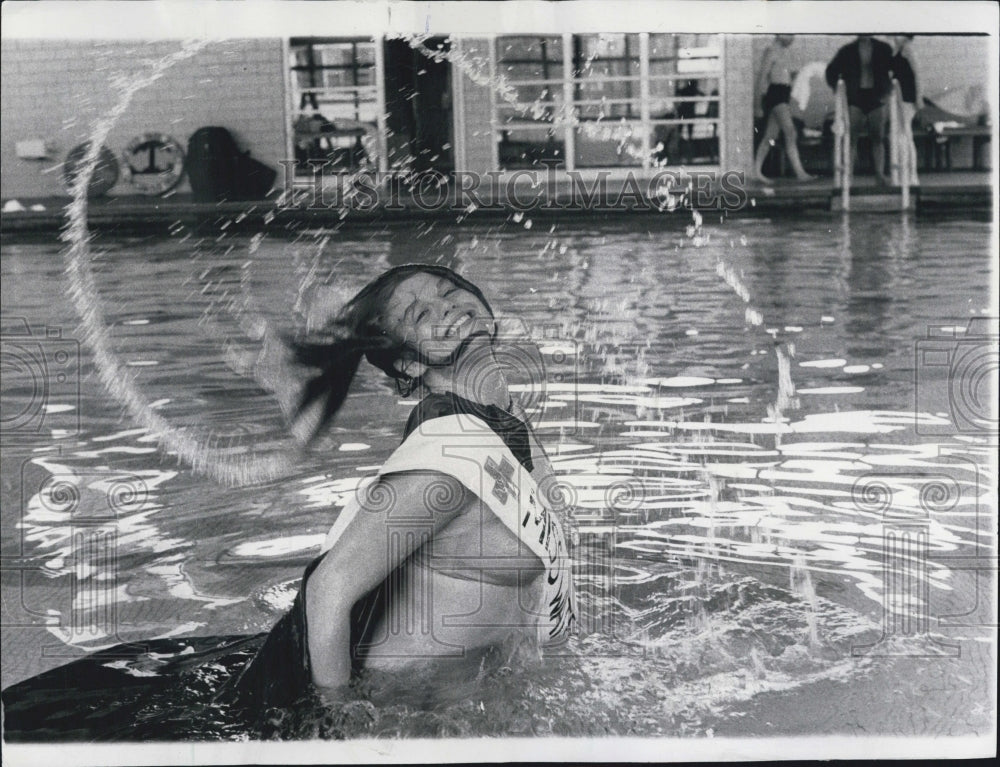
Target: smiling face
[(434, 316)]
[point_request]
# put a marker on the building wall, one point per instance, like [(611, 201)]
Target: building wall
[(55, 90), (737, 106), (476, 103)]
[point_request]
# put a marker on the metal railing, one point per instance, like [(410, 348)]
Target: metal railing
[(900, 146), (842, 159)]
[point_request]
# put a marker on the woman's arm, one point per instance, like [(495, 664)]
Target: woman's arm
[(361, 559), (918, 100)]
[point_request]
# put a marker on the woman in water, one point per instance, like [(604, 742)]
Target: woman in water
[(904, 69), (775, 83), (453, 552), (446, 566)]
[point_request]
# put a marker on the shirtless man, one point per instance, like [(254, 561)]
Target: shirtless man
[(774, 81), (454, 549)]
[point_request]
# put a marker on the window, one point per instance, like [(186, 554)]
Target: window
[(524, 131), (684, 81), (607, 96), (335, 90), (639, 100)]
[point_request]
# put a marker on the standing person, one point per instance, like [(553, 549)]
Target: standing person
[(775, 83), (454, 552), (865, 65), (904, 69)]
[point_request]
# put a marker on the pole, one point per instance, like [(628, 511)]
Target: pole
[(842, 145)]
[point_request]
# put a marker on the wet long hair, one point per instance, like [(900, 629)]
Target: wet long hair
[(358, 330)]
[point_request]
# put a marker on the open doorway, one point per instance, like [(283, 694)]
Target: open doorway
[(418, 104)]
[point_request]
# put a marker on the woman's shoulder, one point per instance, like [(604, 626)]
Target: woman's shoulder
[(508, 427), (430, 407)]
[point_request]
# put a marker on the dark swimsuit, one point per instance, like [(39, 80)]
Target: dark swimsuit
[(280, 674), (867, 100), (847, 65), (776, 94)]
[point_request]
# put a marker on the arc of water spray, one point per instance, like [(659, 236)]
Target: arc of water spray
[(800, 577), (222, 464), (786, 388)]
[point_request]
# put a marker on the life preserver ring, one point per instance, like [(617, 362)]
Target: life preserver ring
[(154, 163)]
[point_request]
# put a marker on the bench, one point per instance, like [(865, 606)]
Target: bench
[(942, 136)]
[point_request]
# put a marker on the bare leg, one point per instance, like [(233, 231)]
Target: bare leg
[(877, 119), (784, 115), (857, 123), (770, 134)]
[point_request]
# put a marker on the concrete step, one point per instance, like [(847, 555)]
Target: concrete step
[(883, 201)]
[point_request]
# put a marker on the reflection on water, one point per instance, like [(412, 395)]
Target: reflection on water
[(759, 507)]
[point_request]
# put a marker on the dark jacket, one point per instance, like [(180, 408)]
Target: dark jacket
[(847, 64), (902, 70)]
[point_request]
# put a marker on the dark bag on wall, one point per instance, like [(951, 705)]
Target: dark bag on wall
[(254, 179), (219, 171)]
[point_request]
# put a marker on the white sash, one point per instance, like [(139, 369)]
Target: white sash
[(466, 448)]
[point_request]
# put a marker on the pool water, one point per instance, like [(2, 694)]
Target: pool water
[(783, 492)]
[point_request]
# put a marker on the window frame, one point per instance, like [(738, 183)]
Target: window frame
[(638, 90), (357, 93)]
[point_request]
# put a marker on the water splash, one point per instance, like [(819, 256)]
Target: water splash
[(729, 275), (230, 464), (223, 459), (801, 584), (785, 397)]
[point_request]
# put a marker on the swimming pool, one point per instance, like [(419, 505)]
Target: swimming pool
[(742, 548)]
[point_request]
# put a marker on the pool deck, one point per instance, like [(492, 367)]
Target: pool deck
[(954, 191)]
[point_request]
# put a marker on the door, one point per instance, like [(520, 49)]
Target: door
[(418, 102)]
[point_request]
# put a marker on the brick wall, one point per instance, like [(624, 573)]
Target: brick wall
[(54, 90)]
